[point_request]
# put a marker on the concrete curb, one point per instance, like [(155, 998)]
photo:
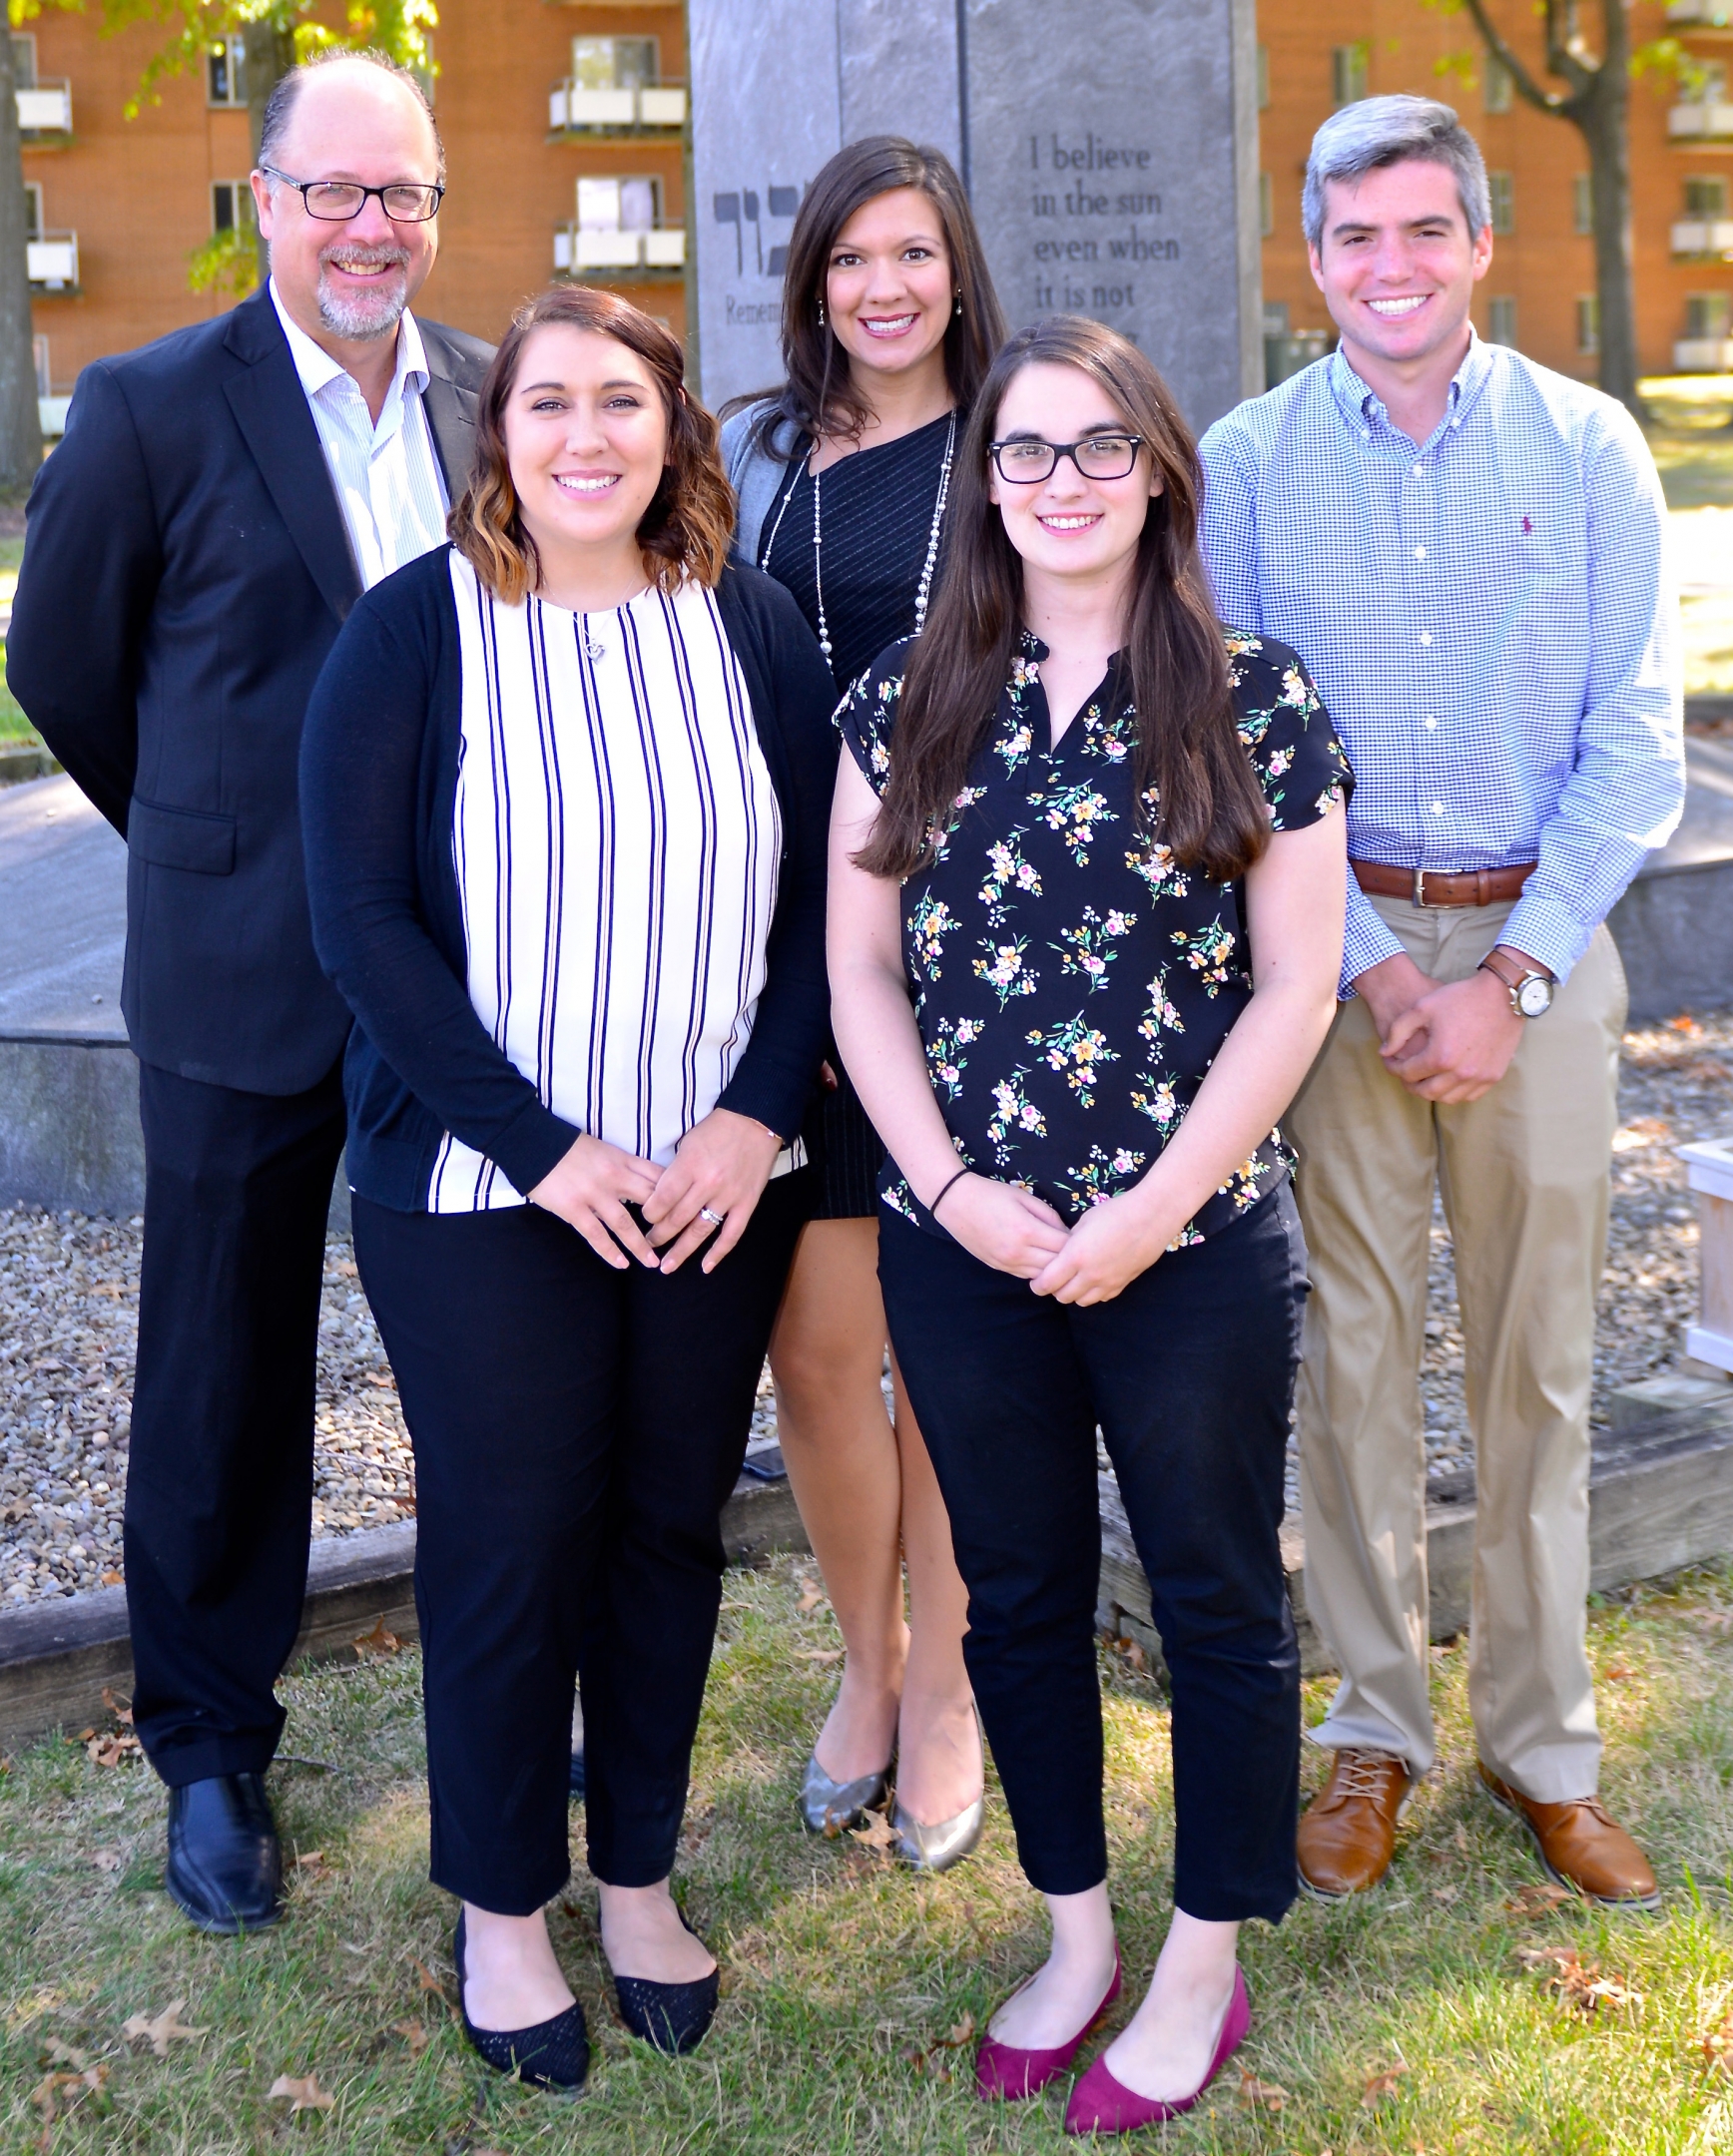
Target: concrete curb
[(56, 1658)]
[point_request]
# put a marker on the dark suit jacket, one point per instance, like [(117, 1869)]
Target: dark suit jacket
[(186, 570)]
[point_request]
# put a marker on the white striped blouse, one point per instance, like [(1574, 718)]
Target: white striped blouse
[(616, 840)]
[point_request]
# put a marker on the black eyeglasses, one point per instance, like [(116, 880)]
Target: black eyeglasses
[(1099, 456), (335, 201)]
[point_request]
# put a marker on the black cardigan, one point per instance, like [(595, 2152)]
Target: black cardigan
[(378, 782)]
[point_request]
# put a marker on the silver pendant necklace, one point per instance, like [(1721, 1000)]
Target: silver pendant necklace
[(922, 589)]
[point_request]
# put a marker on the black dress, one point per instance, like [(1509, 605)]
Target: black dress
[(876, 522)]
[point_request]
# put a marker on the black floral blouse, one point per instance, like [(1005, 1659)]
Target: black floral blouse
[(1072, 981)]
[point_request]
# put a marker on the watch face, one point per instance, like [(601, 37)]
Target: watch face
[(1534, 997)]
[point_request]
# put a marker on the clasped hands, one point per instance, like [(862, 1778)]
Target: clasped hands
[(1010, 1229), (1446, 1042), (718, 1172)]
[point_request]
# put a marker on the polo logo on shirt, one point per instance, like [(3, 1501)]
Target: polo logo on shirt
[(1527, 527)]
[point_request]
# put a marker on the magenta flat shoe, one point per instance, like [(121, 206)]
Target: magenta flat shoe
[(1003, 2074), (1099, 2105)]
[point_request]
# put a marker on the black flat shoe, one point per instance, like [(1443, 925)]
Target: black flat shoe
[(673, 2017), (224, 1867), (553, 2054)]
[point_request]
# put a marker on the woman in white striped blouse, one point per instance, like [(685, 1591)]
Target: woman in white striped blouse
[(565, 786)]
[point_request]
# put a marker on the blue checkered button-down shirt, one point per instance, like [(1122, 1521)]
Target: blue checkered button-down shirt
[(1487, 617)]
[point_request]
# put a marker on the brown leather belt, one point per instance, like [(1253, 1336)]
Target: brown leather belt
[(1430, 887)]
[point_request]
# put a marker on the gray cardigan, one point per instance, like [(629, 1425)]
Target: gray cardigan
[(755, 474)]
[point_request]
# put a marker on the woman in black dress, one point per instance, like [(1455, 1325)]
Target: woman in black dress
[(844, 479)]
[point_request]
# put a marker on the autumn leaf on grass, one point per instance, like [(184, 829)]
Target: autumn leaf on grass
[(378, 1641), (932, 2060), (818, 1653), (413, 2034), (1580, 1984), (1717, 2045), (113, 1748), (313, 1863), (1538, 1901), (1382, 2083), (57, 2089), (304, 2093), (120, 1713), (426, 1977), (811, 1594), (163, 2029), (878, 1834), (1270, 2094)]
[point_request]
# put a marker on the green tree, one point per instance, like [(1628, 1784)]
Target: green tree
[(20, 420), (1595, 97)]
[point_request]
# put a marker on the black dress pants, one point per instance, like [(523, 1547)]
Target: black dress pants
[(219, 1480), (1189, 1372), (577, 1432)]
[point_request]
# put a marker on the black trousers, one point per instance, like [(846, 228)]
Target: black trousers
[(1190, 1373), (577, 1432), (219, 1480)]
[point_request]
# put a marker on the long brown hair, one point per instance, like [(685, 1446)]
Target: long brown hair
[(818, 396), (686, 529), (1193, 780)]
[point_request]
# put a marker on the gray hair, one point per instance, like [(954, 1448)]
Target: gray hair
[(286, 95), (1379, 130)]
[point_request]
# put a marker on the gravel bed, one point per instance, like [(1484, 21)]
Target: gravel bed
[(69, 1316)]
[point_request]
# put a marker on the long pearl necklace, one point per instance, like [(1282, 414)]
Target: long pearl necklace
[(922, 589)]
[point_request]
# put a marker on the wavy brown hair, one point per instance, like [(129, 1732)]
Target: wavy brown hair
[(1194, 784), (685, 531), (817, 395)]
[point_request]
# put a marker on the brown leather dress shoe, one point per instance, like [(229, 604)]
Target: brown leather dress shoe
[(1582, 1847), (1347, 1832)]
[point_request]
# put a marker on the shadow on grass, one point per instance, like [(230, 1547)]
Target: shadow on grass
[(839, 1967)]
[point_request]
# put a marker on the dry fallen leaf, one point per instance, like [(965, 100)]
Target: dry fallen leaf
[(962, 2033), (878, 1834), (304, 2093), (53, 2088), (113, 1579), (1580, 1985), (1271, 2094), (378, 1641), (111, 1748), (1617, 1674), (1382, 2083), (120, 1713), (818, 1653), (312, 1861), (1717, 2046), (1135, 1655), (107, 1859), (64, 2054), (162, 2030), (413, 2034), (811, 1594), (1538, 1901)]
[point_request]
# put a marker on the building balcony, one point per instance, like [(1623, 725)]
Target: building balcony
[(1703, 355), (45, 109), (1700, 123), (575, 110), (52, 258), (1700, 14), (1703, 237), (652, 256)]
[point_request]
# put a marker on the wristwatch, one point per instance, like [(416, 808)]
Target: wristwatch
[(1530, 990)]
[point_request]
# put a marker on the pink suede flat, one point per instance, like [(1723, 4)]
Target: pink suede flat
[(1099, 2105), (1006, 2075)]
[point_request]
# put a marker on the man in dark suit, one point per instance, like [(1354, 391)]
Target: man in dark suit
[(220, 501)]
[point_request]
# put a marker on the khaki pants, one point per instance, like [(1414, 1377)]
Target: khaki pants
[(1524, 1173)]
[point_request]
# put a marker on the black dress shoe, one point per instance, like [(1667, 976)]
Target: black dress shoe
[(553, 2054), (674, 2017), (224, 1861)]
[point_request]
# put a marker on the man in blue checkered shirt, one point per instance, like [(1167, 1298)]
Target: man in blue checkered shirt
[(1468, 551)]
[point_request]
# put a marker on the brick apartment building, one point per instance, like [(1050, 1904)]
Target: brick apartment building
[(564, 122)]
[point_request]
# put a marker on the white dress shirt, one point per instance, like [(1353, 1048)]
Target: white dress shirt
[(387, 478)]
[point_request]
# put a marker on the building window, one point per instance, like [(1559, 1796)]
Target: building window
[(33, 209), (1498, 84), (1588, 321), (1706, 197), (1582, 202), (1707, 314), (226, 72), (1266, 205), (619, 205), (230, 205), (615, 63), (1502, 320), (1348, 71), (23, 60), (1501, 191), (1262, 77)]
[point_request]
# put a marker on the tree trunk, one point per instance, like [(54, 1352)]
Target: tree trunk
[(1605, 119), (270, 56), (20, 421)]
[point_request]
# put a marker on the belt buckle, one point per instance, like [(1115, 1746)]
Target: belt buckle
[(1419, 891)]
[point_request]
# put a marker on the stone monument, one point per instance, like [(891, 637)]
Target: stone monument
[(1109, 148)]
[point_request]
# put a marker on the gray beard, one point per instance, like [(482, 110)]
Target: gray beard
[(360, 317)]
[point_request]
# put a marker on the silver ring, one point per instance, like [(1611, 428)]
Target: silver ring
[(715, 1219)]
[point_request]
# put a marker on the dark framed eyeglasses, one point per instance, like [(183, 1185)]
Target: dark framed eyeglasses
[(335, 201), (1098, 456)]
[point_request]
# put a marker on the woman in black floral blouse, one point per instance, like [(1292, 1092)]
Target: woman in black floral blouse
[(1088, 888)]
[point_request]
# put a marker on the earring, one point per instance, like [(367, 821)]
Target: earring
[(820, 313), (958, 308)]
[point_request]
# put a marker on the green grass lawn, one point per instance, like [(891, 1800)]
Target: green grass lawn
[(843, 1975), (14, 727)]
